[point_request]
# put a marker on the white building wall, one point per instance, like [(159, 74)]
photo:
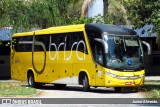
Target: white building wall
[(95, 8)]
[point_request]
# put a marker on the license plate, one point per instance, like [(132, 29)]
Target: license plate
[(128, 83)]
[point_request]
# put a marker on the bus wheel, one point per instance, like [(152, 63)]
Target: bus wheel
[(117, 89), (31, 81), (86, 86)]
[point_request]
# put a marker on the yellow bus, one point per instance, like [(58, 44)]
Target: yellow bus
[(91, 55)]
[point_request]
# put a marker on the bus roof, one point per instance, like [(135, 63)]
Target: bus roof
[(110, 29), (52, 30)]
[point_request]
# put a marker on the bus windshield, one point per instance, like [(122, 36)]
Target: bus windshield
[(124, 53)]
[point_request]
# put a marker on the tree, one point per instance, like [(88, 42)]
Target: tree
[(114, 11), (143, 12), (84, 8), (118, 12), (49, 12), (23, 15)]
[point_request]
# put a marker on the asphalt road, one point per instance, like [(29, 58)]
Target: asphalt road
[(76, 92), (72, 91)]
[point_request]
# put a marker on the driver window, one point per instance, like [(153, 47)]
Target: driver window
[(98, 56), (96, 47)]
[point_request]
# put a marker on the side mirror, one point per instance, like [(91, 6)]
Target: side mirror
[(148, 47), (104, 43)]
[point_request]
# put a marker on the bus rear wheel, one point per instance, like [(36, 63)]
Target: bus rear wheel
[(86, 86)]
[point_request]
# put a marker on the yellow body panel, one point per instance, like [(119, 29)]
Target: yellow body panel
[(62, 69)]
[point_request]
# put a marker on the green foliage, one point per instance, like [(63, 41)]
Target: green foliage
[(97, 19), (143, 12), (74, 2), (23, 15), (15, 89), (152, 89), (118, 12), (82, 20)]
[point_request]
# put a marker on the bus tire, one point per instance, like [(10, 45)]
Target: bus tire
[(118, 89), (31, 81), (86, 87)]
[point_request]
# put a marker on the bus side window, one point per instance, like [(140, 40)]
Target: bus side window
[(98, 53), (78, 38), (68, 42), (38, 47), (28, 46), (43, 39), (21, 45), (75, 38), (96, 47), (54, 39), (82, 45), (60, 40)]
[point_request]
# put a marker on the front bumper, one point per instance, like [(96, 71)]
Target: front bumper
[(129, 81)]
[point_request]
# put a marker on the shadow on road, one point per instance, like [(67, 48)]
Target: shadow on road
[(100, 90)]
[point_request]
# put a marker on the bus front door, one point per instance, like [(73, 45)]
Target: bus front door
[(98, 56), (99, 75)]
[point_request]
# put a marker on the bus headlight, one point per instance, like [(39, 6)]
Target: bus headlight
[(110, 74)]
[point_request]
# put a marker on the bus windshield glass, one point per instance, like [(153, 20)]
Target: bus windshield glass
[(124, 53)]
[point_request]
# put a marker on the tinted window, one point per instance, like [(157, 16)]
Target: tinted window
[(68, 42), (41, 40), (24, 44), (71, 41), (28, 45), (96, 47)]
